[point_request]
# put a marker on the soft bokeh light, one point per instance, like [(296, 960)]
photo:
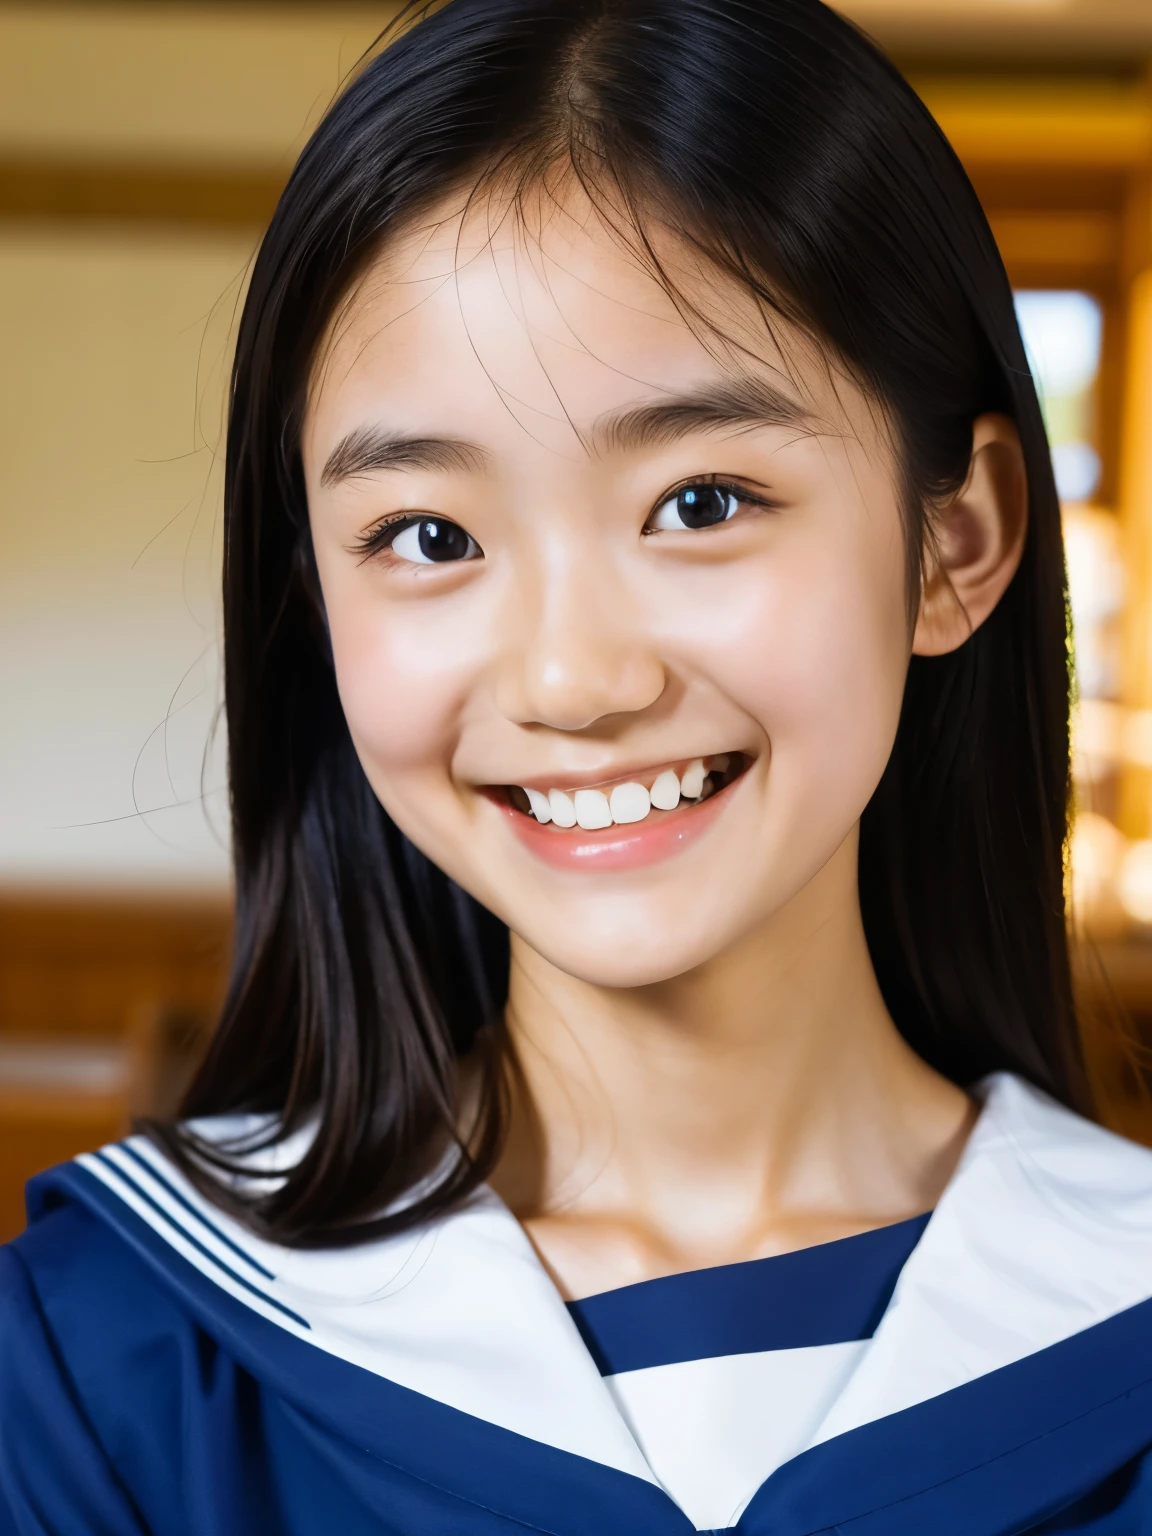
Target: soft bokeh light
[(1134, 881), (1062, 332), (1096, 855), (1096, 590)]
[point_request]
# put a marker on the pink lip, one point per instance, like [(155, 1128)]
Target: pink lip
[(660, 835)]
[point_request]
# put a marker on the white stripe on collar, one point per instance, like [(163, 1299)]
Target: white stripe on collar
[(460, 1310), (1044, 1230)]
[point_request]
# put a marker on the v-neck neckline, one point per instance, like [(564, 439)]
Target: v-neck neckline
[(827, 1293)]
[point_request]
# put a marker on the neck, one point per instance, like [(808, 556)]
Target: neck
[(756, 1104)]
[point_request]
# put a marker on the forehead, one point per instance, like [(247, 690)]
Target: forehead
[(543, 314)]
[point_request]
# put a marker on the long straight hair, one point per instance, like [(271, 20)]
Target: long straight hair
[(779, 141)]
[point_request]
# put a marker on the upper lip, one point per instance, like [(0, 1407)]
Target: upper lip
[(594, 778)]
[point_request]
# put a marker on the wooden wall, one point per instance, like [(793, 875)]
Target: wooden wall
[(76, 965), (104, 1001)]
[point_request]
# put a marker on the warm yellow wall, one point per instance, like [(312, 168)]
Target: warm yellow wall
[(228, 84)]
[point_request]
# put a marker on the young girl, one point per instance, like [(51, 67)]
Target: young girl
[(648, 1098)]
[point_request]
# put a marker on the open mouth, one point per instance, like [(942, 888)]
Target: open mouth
[(656, 795)]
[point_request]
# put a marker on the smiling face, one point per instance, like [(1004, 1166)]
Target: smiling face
[(616, 602)]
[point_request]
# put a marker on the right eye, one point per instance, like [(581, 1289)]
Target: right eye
[(433, 541), (696, 506)]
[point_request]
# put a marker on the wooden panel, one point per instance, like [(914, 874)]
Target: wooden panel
[(155, 194), (1047, 124), (1114, 996), (150, 974), (1062, 132), (79, 965), (104, 1001), (29, 1145), (1064, 246)]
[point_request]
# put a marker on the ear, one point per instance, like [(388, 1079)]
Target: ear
[(978, 539)]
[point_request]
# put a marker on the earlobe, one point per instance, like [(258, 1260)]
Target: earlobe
[(977, 540)]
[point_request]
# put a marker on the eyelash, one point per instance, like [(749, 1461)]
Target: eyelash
[(379, 538), (714, 482)]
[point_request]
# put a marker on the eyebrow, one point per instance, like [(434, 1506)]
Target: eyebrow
[(366, 449), (740, 404)]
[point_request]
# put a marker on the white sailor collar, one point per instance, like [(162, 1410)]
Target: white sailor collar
[(1025, 1292)]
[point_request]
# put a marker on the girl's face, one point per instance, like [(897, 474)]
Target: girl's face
[(583, 561)]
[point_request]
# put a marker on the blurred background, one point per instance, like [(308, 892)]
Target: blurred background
[(142, 148)]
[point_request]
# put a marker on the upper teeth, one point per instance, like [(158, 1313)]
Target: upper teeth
[(593, 809)]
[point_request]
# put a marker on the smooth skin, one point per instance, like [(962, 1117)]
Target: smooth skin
[(704, 1068)]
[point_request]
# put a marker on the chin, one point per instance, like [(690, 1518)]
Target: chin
[(626, 954)]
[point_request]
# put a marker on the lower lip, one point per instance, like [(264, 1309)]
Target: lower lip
[(659, 836)]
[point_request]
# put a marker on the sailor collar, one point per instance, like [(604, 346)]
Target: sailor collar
[(1011, 1371)]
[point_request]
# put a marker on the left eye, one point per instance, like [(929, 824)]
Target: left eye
[(433, 541), (696, 506)]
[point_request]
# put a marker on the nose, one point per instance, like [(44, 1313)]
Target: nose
[(578, 652)]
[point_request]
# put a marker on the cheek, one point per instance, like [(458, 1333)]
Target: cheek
[(401, 684), (816, 652), (841, 659)]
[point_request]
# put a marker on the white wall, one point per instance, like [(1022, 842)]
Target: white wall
[(113, 346), (111, 376)]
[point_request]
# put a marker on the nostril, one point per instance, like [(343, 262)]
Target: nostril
[(570, 688)]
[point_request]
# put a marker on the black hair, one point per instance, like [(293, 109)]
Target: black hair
[(775, 137)]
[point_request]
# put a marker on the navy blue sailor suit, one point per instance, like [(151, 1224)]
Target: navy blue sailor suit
[(162, 1370)]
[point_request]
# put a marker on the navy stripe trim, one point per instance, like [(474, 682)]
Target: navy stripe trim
[(166, 1184), (197, 1244), (538, 1487), (831, 1293)]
